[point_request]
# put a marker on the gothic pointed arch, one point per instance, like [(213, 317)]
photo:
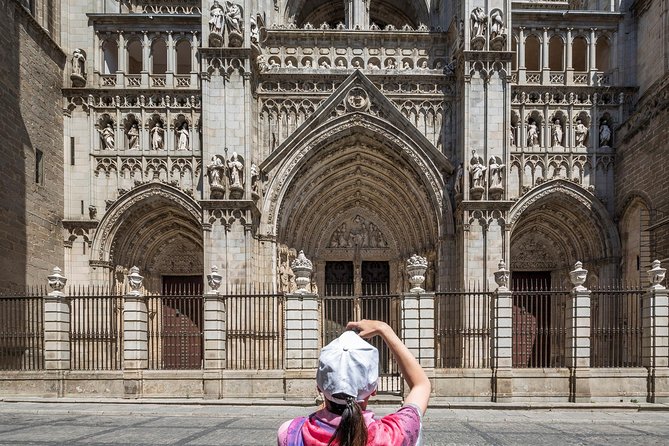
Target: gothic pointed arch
[(559, 223), (156, 227)]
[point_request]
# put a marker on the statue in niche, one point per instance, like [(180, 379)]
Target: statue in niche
[(107, 136), (216, 22), (496, 172), (215, 173), (459, 180), (512, 136), (476, 176), (532, 134), (133, 137), (580, 132), (78, 76), (157, 136), (256, 181), (557, 133), (183, 137), (604, 134)]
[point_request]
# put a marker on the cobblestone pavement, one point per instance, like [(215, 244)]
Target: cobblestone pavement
[(37, 423)]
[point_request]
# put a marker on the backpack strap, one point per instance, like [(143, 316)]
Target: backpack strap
[(294, 432)]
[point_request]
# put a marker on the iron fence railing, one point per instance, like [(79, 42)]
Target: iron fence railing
[(462, 329), (22, 330), (615, 327), (96, 329), (539, 329)]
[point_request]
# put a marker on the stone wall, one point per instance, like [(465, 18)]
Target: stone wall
[(30, 121)]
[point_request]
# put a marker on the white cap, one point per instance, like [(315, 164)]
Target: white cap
[(348, 365)]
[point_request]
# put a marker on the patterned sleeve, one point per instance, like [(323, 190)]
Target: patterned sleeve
[(402, 428)]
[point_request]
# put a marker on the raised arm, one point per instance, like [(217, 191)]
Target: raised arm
[(419, 384)]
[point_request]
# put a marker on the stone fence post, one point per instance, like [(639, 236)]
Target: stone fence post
[(502, 337), (578, 336), (302, 334), (655, 341), (57, 324), (215, 336), (135, 334)]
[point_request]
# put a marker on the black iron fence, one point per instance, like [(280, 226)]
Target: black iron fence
[(22, 330), (462, 329), (615, 327)]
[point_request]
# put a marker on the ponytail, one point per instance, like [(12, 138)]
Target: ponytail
[(352, 430)]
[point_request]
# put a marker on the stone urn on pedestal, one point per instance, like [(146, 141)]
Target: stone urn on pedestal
[(416, 267), (578, 276), (57, 282), (135, 282), (302, 268), (214, 279), (656, 275)]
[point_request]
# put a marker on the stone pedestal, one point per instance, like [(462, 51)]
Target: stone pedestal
[(418, 331), (578, 344), (135, 336), (655, 342), (214, 343), (502, 345), (302, 345), (56, 331)]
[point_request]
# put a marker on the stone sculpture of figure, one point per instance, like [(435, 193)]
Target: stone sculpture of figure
[(512, 136), (79, 63), (157, 136), (133, 137), (496, 23), (183, 137), (233, 17), (372, 66), (340, 65), (581, 132), (477, 171), (217, 16), (557, 133), (496, 171), (255, 31), (604, 134), (287, 278), (215, 171), (479, 20), (307, 63), (423, 65), (255, 178), (107, 135), (325, 64), (532, 134), (459, 178), (235, 167)]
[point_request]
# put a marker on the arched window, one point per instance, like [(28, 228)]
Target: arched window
[(134, 57), (532, 53), (109, 57), (580, 54), (158, 57), (603, 54), (183, 57), (556, 54)]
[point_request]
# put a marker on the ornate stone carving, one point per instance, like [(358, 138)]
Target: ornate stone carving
[(216, 24), (236, 174), (225, 20), (357, 100), (135, 282), (78, 76), (416, 267), (214, 280), (656, 275), (302, 268), (476, 176), (578, 276), (57, 282), (502, 276), (496, 171), (479, 24), (497, 30), (361, 233), (216, 174)]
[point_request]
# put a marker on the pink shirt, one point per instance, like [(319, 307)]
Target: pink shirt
[(401, 428)]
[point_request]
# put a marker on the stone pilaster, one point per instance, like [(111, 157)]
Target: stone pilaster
[(655, 342), (418, 331), (578, 336), (57, 325), (135, 335), (502, 336), (302, 344)]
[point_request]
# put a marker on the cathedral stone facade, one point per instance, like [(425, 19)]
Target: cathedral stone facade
[(361, 132)]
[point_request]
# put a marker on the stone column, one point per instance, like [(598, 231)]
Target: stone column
[(655, 342), (215, 336), (135, 335), (146, 60), (578, 336), (502, 320), (302, 342), (521, 57), (56, 324), (545, 67), (592, 57), (569, 78)]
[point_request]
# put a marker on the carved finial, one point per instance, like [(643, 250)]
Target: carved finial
[(214, 279), (57, 282), (416, 267), (656, 275), (135, 281), (578, 276), (302, 268), (502, 276)]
